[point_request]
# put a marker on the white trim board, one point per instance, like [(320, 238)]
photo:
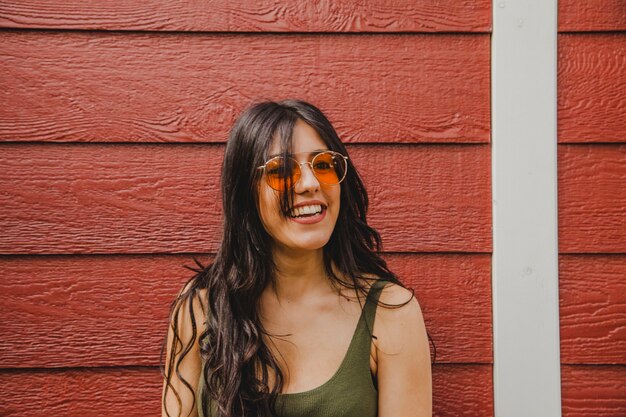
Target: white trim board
[(526, 374)]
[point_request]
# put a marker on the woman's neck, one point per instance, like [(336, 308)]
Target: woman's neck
[(299, 274)]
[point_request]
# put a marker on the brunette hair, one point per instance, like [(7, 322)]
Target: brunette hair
[(235, 357)]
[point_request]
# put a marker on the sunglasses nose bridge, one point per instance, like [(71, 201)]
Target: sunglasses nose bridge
[(311, 172)]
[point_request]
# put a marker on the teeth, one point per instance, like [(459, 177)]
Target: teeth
[(301, 211)]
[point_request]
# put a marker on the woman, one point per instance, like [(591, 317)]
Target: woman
[(285, 320)]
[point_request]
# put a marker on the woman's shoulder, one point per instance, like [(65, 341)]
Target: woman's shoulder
[(391, 293), (399, 316), (190, 307), (395, 294)]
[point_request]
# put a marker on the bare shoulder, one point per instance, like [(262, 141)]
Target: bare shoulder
[(399, 320), (395, 294), (191, 303), (398, 301)]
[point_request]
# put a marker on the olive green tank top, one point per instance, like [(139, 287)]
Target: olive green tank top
[(350, 392)]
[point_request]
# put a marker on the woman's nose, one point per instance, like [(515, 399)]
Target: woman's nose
[(308, 180)]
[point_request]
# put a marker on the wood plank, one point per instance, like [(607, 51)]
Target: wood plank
[(121, 87), (462, 390), (592, 15), (112, 310), (592, 198), (252, 16), (592, 87), (459, 390), (96, 311), (591, 391), (149, 198), (81, 392), (593, 309)]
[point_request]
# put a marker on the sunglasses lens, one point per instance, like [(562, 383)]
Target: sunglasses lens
[(329, 168), (281, 173)]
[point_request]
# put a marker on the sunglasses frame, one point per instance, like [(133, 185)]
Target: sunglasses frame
[(310, 164)]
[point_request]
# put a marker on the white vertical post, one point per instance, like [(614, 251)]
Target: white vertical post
[(524, 185)]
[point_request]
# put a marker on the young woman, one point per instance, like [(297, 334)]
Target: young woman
[(284, 321)]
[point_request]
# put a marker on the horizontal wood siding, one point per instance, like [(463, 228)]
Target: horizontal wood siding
[(123, 198), (592, 15), (592, 206), (113, 125), (592, 87), (593, 391), (189, 88), (592, 198), (252, 16), (593, 308)]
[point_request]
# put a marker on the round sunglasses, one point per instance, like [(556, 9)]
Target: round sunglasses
[(329, 167)]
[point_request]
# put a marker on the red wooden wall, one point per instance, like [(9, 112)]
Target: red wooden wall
[(112, 126), (592, 206)]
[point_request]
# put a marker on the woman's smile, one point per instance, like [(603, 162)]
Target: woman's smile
[(308, 212)]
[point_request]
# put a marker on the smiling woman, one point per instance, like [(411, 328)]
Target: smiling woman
[(284, 322)]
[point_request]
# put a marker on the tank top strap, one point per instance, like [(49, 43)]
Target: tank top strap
[(371, 303), (359, 353)]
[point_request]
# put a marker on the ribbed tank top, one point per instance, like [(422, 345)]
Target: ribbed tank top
[(350, 392)]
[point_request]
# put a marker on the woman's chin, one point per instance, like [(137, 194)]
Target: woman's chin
[(306, 245)]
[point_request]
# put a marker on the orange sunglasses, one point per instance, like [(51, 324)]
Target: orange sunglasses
[(329, 167)]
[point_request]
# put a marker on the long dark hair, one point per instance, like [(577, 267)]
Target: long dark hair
[(236, 359)]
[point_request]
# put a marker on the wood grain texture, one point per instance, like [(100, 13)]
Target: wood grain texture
[(149, 198), (82, 392), (592, 87), (121, 87), (112, 310), (87, 311), (593, 309), (462, 390), (459, 390), (592, 198), (251, 16), (592, 15), (592, 391)]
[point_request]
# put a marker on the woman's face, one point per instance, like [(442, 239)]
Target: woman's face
[(300, 231)]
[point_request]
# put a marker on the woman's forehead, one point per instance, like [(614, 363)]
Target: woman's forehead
[(304, 138)]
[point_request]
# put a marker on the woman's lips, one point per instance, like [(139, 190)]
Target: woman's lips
[(316, 218)]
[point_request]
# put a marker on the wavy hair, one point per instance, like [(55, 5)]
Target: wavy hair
[(236, 358)]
